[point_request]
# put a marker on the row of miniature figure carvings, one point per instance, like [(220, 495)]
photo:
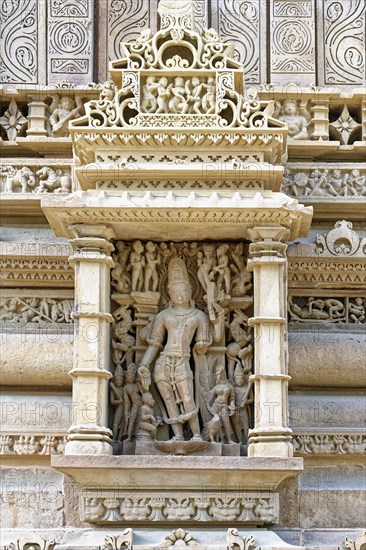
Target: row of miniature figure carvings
[(304, 444), (301, 309), (178, 538), (35, 177), (301, 179), (342, 309), (340, 119)]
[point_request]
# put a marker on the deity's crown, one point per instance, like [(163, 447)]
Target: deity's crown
[(119, 371), (177, 272), (131, 368), (238, 370)]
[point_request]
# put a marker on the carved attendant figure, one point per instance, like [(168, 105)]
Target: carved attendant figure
[(149, 92), (147, 423), (132, 402), (137, 262), (65, 112), (116, 399), (223, 398), (182, 323), (244, 398), (151, 274), (297, 122)]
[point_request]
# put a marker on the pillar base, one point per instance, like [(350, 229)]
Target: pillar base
[(93, 440), (88, 448)]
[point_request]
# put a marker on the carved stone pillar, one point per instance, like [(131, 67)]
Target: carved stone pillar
[(267, 259), (37, 118), (89, 433), (320, 120)]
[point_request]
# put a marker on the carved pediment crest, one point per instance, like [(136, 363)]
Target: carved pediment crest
[(341, 241), (177, 78)]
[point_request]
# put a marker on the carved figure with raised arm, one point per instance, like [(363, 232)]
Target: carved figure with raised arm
[(65, 111), (164, 91)]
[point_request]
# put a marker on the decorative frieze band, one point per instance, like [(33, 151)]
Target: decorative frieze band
[(26, 307), (341, 444), (32, 444), (250, 508), (178, 538), (329, 444), (314, 181)]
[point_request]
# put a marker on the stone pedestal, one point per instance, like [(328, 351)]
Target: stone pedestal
[(271, 436), (89, 433)]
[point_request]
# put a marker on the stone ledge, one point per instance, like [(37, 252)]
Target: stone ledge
[(147, 472)]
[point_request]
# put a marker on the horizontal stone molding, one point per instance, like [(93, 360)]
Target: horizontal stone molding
[(35, 265), (121, 507), (151, 214), (329, 443)]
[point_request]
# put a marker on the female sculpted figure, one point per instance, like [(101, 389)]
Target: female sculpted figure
[(132, 402), (223, 268), (116, 400), (149, 92), (223, 398), (244, 398), (181, 324), (151, 274), (206, 264), (297, 122), (137, 262)]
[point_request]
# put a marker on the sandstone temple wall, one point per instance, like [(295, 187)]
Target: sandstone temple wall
[(81, 182)]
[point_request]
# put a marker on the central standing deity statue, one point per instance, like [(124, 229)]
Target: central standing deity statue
[(183, 324)]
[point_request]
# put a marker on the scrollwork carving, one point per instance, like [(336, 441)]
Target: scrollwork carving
[(206, 92), (344, 39), (19, 39), (341, 241), (69, 45)]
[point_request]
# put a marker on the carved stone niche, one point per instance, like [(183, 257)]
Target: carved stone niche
[(182, 350)]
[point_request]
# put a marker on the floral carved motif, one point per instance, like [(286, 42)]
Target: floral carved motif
[(13, 121), (249, 508), (69, 39), (34, 542), (339, 444)]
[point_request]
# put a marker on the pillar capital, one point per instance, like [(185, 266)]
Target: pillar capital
[(268, 233)]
